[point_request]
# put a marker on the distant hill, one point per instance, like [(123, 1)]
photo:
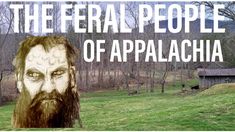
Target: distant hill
[(194, 26)]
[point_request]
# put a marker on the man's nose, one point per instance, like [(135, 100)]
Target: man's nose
[(48, 85)]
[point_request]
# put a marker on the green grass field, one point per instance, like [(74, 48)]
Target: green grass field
[(213, 109)]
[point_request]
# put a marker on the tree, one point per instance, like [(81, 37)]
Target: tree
[(6, 20), (228, 11)]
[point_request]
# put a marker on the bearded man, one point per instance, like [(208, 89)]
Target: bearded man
[(45, 72)]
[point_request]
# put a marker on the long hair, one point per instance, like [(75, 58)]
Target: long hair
[(23, 115)]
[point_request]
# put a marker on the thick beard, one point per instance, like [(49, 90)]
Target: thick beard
[(47, 110)]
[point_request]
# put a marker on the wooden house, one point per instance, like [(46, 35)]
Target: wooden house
[(209, 77)]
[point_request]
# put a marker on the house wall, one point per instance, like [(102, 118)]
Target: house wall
[(206, 82)]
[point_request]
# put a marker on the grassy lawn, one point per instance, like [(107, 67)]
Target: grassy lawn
[(213, 109)]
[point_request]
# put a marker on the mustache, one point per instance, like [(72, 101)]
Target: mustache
[(54, 95)]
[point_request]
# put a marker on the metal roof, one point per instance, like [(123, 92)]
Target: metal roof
[(216, 72)]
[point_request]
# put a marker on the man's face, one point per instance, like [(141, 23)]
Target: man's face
[(49, 96), (46, 71)]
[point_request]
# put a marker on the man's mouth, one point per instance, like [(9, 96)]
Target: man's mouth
[(47, 101), (51, 100)]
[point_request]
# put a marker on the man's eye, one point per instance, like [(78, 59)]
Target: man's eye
[(34, 76), (58, 73)]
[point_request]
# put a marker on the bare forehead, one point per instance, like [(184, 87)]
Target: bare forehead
[(55, 55), (40, 49)]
